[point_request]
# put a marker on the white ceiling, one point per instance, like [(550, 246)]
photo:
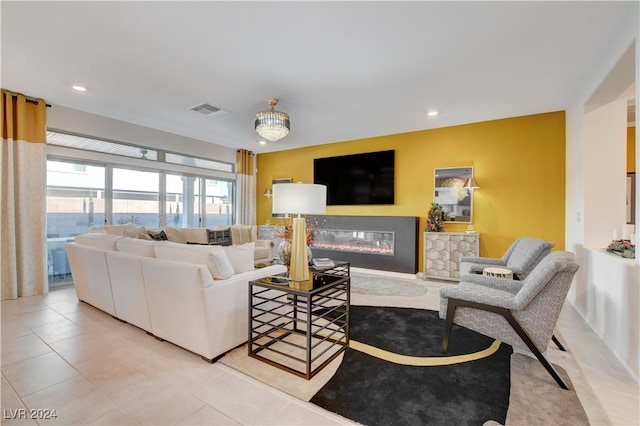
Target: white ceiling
[(342, 70)]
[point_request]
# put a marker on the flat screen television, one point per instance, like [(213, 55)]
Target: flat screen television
[(357, 179)]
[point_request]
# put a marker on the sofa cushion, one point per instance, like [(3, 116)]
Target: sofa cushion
[(214, 257), (174, 234), (118, 229), (139, 232), (136, 246), (241, 257), (195, 235), (101, 241)]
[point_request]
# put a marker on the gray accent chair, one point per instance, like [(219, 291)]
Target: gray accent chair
[(523, 255), (521, 314)]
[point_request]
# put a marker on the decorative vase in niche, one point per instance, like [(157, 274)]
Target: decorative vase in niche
[(284, 252)]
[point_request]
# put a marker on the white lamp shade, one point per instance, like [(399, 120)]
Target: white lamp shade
[(299, 198)]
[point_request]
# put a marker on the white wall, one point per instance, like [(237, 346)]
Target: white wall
[(605, 291), (74, 121), (605, 163)]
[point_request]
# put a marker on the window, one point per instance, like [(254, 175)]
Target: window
[(183, 201), (219, 204), (146, 186), (75, 203), (197, 162), (136, 198)]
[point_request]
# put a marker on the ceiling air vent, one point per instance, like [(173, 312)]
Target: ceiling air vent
[(209, 110)]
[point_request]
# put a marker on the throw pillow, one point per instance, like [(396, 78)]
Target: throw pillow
[(241, 257), (241, 234), (160, 236), (223, 268), (246, 234), (219, 237), (175, 235)]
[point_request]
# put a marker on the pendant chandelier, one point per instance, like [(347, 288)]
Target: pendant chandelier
[(272, 125)]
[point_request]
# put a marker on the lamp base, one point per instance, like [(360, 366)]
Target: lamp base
[(299, 269), (301, 285), (470, 229)]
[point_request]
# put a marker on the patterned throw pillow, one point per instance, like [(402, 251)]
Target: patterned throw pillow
[(219, 237), (160, 236)]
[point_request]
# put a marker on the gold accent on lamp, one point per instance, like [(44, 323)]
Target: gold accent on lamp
[(268, 193), (299, 198), (471, 183), (272, 125)]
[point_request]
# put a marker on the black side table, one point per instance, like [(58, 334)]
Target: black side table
[(300, 331)]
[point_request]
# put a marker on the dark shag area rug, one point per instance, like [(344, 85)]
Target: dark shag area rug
[(373, 391)]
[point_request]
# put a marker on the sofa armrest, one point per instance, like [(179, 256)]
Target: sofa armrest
[(264, 243)]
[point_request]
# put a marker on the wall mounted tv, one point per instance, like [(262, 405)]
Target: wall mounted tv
[(358, 179)]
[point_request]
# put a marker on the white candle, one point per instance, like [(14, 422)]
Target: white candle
[(627, 230), (616, 236)]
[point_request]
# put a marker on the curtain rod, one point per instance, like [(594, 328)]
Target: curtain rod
[(31, 100)]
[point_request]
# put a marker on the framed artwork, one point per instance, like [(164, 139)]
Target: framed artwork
[(273, 182), (631, 198), (449, 191)]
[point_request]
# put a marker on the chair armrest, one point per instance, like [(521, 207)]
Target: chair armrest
[(476, 265), (504, 284), (264, 243), (489, 261), (479, 293)]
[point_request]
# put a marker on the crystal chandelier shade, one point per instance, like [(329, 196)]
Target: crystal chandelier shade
[(272, 125)]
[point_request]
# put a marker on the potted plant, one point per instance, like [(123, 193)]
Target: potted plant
[(436, 218)]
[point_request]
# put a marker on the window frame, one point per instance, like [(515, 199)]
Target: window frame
[(111, 161)]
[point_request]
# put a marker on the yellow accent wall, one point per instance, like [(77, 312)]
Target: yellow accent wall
[(518, 162), (631, 149)]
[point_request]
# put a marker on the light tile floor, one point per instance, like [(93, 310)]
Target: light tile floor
[(63, 355)]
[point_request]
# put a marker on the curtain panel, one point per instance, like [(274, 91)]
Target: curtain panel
[(23, 239), (246, 188)]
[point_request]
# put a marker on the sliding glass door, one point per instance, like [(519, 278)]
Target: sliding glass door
[(219, 204), (183, 201), (75, 203)]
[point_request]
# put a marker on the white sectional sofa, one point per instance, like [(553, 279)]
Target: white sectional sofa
[(195, 296)]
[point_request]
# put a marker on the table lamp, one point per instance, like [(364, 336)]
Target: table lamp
[(299, 198)]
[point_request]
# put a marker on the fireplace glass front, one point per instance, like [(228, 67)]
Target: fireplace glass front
[(370, 242)]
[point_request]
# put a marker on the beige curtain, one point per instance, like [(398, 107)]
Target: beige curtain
[(23, 254), (246, 188)]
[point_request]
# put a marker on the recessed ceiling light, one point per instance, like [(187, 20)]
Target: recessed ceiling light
[(79, 88), (432, 113), (262, 142)]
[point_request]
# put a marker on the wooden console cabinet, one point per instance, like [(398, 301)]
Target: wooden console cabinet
[(443, 250)]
